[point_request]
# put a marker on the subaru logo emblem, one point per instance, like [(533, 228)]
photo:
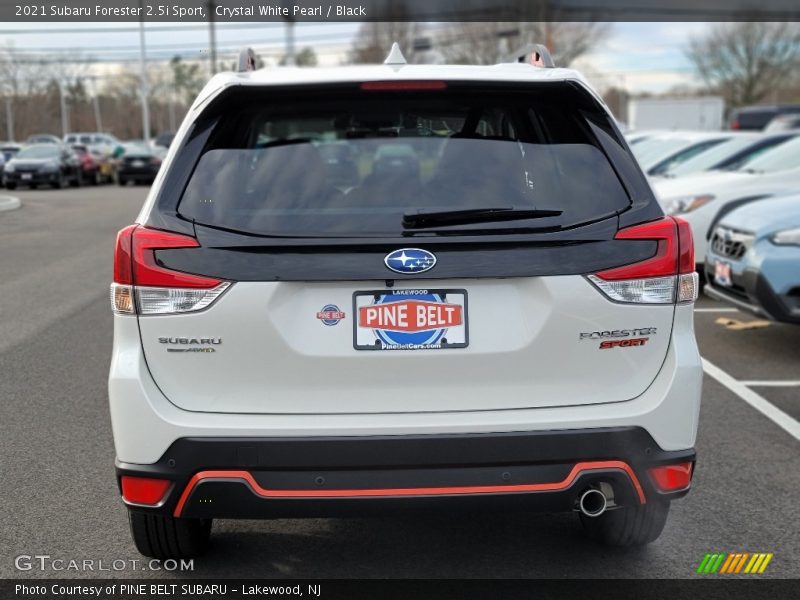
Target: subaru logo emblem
[(410, 260)]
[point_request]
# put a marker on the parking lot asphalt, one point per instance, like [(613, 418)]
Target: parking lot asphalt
[(59, 497)]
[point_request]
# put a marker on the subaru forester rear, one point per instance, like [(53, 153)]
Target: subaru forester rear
[(395, 287)]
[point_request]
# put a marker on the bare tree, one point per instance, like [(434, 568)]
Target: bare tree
[(747, 61), (486, 43)]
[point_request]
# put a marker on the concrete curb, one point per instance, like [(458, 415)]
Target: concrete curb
[(9, 203)]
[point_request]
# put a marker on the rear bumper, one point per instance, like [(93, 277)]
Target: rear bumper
[(36, 178), (330, 476), (136, 174)]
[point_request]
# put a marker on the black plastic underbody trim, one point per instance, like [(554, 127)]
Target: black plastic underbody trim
[(402, 461)]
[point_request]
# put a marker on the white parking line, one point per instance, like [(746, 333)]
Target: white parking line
[(769, 410), (727, 310), (771, 383)]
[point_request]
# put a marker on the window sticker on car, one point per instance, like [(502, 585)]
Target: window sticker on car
[(410, 319)]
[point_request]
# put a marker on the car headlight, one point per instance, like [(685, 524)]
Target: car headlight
[(50, 166), (9, 168), (787, 237), (685, 204)]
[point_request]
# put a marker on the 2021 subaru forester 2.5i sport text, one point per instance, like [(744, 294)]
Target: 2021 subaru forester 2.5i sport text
[(394, 287)]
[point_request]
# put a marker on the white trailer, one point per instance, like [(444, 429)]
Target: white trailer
[(699, 114)]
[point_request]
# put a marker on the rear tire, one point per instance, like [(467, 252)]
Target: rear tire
[(629, 526), (167, 537)]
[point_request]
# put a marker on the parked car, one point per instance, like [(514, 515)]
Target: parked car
[(43, 138), (138, 164), (753, 260), (90, 166), (757, 117), (106, 164), (640, 135), (43, 164), (164, 139), (659, 153), (731, 154), (784, 123), (9, 149), (513, 328), (704, 198), (105, 141)]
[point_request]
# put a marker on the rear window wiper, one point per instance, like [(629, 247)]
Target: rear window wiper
[(465, 216)]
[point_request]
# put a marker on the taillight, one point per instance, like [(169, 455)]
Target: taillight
[(672, 478), (664, 278), (142, 286), (147, 491), (735, 124), (402, 86)]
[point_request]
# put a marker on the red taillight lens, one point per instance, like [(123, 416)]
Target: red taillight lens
[(402, 86), (735, 124), (685, 246), (147, 272), (123, 267), (144, 490), (665, 261), (671, 478), (142, 286), (155, 161), (135, 262), (664, 278)]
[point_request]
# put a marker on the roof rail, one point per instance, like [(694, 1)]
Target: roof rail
[(535, 54), (247, 60)]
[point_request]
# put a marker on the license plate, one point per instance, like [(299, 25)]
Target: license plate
[(410, 319), (137, 163), (722, 273), (27, 176)]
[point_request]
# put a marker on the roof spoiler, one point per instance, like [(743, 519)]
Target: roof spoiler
[(247, 60), (533, 54)]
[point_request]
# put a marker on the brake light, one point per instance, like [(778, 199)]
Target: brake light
[(672, 478), (144, 490), (664, 278), (735, 124), (402, 86), (143, 286)]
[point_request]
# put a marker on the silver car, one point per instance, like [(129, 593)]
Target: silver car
[(753, 257)]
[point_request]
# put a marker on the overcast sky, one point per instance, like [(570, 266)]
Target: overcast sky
[(638, 56)]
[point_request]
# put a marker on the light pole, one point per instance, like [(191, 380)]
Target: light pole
[(288, 58), (212, 39), (64, 115), (9, 117), (143, 90), (98, 121)]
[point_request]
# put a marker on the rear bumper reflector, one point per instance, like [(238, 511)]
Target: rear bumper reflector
[(672, 478), (144, 491)]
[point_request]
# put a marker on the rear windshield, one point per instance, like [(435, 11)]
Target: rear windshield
[(355, 163)]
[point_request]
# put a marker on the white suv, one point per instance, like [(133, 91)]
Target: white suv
[(389, 287)]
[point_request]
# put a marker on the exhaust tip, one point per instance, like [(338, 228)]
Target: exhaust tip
[(593, 503)]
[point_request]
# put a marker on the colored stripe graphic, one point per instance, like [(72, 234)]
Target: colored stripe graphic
[(735, 562), (703, 563)]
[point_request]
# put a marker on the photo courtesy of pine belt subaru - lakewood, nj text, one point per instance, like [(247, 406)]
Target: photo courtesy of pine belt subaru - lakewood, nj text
[(384, 288)]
